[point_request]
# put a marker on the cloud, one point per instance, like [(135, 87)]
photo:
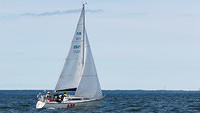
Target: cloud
[(58, 12), (189, 14), (12, 16), (137, 14)]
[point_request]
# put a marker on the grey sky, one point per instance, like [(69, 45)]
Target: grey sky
[(136, 44)]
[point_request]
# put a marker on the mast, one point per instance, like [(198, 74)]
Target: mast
[(83, 33)]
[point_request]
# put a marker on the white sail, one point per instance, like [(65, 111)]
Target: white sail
[(79, 70), (71, 73), (89, 86)]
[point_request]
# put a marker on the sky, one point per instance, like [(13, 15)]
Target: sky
[(136, 44)]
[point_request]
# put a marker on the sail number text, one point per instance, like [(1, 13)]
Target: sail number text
[(76, 48)]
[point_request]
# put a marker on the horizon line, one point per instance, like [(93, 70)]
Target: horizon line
[(118, 89)]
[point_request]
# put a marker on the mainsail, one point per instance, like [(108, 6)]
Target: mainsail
[(71, 73), (79, 72)]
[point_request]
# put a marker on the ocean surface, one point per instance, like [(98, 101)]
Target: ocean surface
[(24, 101)]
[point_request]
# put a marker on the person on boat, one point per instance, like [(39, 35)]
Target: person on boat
[(60, 99), (56, 97), (65, 94), (49, 97)]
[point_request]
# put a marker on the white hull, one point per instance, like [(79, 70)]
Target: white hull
[(67, 104)]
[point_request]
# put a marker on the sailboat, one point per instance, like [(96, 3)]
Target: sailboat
[(79, 73)]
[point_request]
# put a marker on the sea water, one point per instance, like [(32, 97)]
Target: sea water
[(24, 101)]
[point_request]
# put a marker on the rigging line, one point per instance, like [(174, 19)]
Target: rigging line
[(83, 33)]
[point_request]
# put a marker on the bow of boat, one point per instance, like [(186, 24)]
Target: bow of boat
[(40, 105)]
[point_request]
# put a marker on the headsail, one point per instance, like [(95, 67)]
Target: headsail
[(71, 73), (89, 86)]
